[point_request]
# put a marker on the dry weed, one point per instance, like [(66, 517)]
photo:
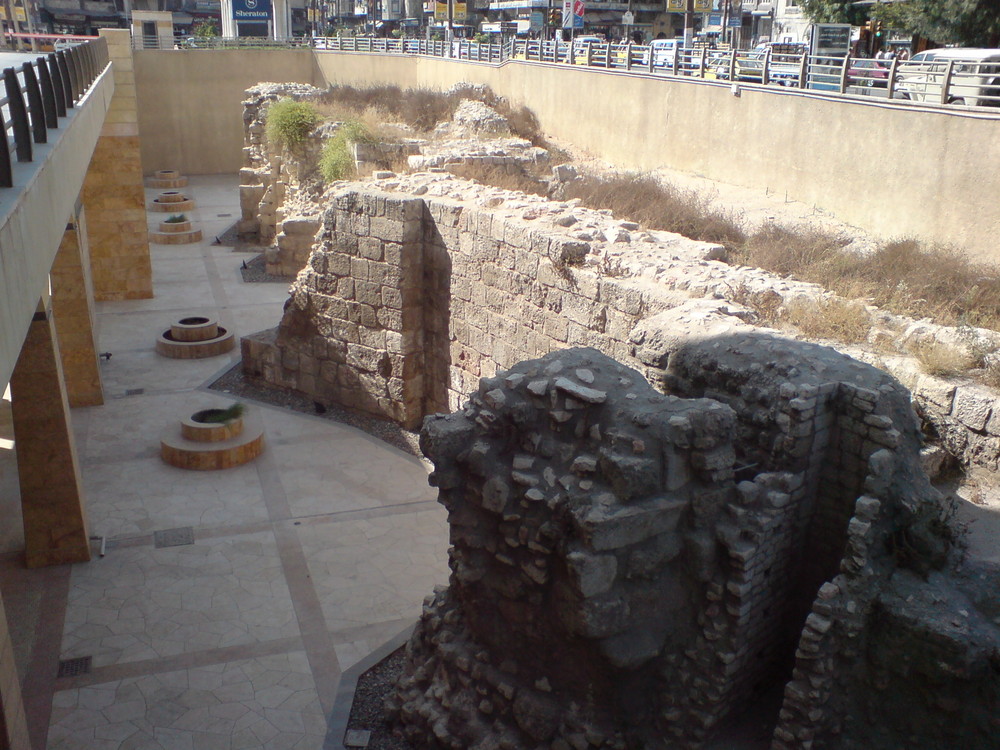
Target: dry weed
[(765, 303), (506, 176), (832, 318), (936, 358), (902, 276)]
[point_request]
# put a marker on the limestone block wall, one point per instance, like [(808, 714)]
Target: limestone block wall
[(353, 330), (422, 296), (73, 311), (113, 190)]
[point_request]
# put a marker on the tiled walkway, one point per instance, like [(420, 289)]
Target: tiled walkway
[(303, 561)]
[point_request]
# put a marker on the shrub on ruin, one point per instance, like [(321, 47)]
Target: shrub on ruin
[(336, 162), (289, 122)]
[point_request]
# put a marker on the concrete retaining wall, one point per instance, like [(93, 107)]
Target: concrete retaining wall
[(894, 170)]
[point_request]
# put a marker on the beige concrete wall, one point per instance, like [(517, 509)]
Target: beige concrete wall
[(34, 213), (894, 170), (190, 111)]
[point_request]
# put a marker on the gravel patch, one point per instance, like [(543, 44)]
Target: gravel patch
[(254, 271), (368, 711), (234, 384)]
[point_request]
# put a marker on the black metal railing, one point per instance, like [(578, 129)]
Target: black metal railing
[(38, 93)]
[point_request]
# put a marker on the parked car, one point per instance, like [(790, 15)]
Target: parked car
[(868, 73), (974, 77), (663, 50)]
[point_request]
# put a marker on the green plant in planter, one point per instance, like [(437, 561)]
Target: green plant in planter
[(220, 416), (175, 219), (289, 122), (336, 162)]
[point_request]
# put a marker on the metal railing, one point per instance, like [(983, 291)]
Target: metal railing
[(931, 82), (39, 93)]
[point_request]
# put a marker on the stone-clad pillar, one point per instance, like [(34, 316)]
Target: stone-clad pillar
[(13, 725), (113, 190), (55, 529), (73, 310)]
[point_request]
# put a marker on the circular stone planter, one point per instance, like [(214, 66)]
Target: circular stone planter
[(200, 431), (167, 178), (175, 233), (207, 446), (195, 337), (171, 200)]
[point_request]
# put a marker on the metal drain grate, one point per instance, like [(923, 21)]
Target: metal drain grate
[(174, 537), (134, 391), (73, 667), (223, 216)]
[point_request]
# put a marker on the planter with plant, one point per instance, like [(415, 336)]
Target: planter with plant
[(214, 425)]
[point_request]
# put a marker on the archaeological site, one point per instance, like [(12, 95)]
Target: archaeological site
[(666, 510)]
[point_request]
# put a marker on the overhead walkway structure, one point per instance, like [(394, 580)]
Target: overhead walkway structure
[(72, 230)]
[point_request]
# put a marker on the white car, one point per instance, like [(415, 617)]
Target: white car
[(973, 77), (664, 52)]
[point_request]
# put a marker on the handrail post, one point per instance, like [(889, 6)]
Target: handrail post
[(765, 71), (701, 64), (678, 51), (732, 65), (890, 84), (803, 70), (649, 61), (55, 72), (843, 73), (35, 108), (946, 81), (18, 115), (48, 93), (67, 84), (628, 56)]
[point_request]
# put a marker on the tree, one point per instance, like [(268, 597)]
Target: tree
[(205, 29), (834, 11), (969, 23)]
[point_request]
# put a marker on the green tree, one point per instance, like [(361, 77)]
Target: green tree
[(834, 11), (969, 23), (205, 29)]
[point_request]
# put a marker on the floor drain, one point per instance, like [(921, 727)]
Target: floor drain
[(174, 537), (73, 667), (223, 216), (134, 391)]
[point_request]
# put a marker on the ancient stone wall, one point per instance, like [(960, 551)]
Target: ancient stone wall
[(623, 577), (471, 288)]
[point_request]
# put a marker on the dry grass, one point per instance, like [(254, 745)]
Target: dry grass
[(656, 205), (831, 318), (936, 358), (901, 276), (506, 177)]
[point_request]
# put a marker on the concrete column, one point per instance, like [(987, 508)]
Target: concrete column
[(113, 191), (73, 310), (13, 725), (55, 529)]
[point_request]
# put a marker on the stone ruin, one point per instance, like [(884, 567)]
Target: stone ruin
[(636, 566), (631, 568)]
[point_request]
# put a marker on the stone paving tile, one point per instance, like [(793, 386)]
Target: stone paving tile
[(362, 474), (378, 569), (138, 330), (141, 602), (267, 702), (132, 426), (147, 369), (141, 496)]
